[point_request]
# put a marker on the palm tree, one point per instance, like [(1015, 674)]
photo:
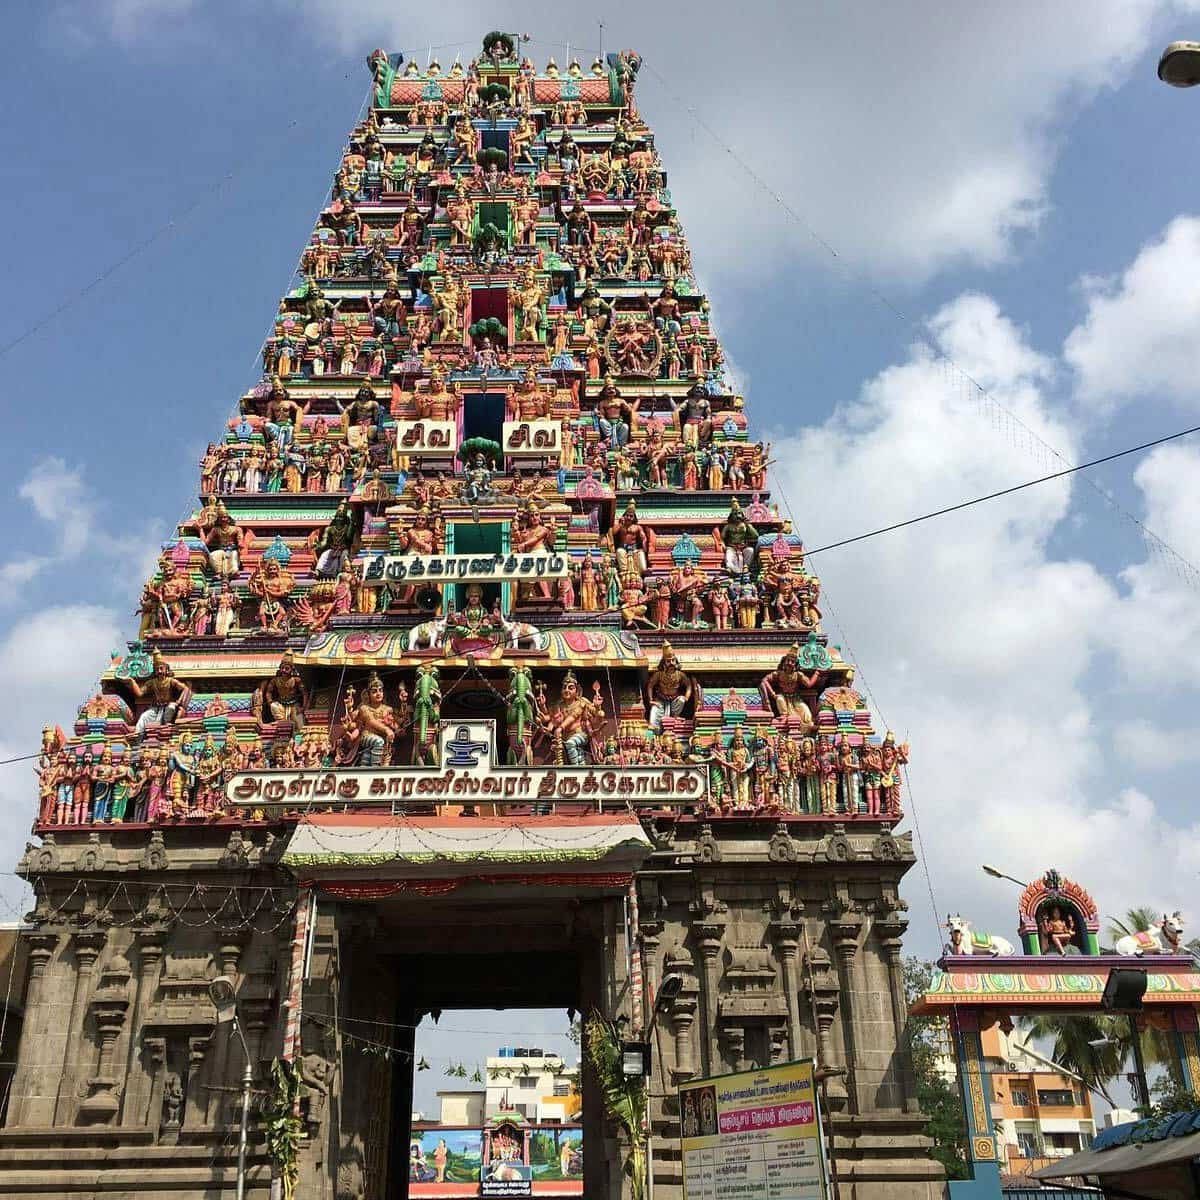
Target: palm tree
[(1157, 1045), (1091, 1046)]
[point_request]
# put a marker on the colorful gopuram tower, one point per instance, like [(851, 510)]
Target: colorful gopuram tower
[(485, 673)]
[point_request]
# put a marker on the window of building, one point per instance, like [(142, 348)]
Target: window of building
[(1020, 1096), (1027, 1143), (1056, 1096), (1062, 1141), (525, 1082), (562, 1089)]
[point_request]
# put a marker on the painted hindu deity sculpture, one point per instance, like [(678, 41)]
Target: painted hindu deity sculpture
[(493, 468)]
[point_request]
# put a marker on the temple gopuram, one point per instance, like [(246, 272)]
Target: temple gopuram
[(485, 673)]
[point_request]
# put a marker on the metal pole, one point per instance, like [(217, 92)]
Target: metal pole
[(243, 1135), (1139, 1064)]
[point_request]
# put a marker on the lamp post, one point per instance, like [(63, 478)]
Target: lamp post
[(636, 1061), (1180, 64), (221, 993), (996, 873)]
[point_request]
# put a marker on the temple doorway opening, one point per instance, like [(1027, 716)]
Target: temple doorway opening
[(497, 1095)]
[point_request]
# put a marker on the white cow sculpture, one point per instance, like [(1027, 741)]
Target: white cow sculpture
[(1163, 937), (963, 941)]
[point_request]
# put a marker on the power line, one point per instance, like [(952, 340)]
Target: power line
[(941, 512), (1153, 542)]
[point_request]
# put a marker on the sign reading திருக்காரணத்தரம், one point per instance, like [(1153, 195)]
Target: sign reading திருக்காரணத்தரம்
[(753, 1135), (463, 568), (469, 774)]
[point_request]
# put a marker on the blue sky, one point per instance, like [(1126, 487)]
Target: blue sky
[(1016, 182)]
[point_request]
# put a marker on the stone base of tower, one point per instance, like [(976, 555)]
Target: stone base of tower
[(784, 943), (40, 1163)]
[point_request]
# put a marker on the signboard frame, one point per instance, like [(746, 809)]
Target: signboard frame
[(772, 1078)]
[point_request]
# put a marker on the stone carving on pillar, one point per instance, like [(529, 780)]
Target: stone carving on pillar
[(93, 858), (784, 929), (236, 853), (889, 926), (751, 1002), (845, 924), (708, 932), (88, 943), (155, 856), (707, 847), (109, 1006), (824, 992), (836, 847), (781, 848), (682, 1011), (42, 946)]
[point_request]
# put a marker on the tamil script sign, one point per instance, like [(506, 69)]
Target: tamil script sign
[(531, 439), (426, 437), (755, 1135), (468, 774), (463, 568)]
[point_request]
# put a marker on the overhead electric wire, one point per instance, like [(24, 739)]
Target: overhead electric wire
[(1153, 541), (1008, 491)]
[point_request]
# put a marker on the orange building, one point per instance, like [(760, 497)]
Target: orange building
[(1040, 1114)]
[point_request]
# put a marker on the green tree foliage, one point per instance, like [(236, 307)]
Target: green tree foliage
[(938, 1096), (624, 1095)]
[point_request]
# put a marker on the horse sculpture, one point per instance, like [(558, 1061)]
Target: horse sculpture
[(963, 941), (1163, 937)]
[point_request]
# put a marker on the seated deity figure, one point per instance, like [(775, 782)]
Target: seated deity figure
[(739, 540), (166, 694), (284, 696), (781, 690), (225, 539), (571, 723), (616, 417), (669, 689)]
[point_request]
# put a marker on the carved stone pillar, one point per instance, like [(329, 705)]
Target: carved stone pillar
[(229, 957), (735, 1041), (136, 1103), (709, 935), (787, 946), (824, 994), (844, 931), (683, 1017), (87, 944), (110, 1006), (27, 1106), (194, 1106), (889, 929)]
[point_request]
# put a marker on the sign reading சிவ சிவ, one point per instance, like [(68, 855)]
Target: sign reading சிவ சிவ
[(755, 1135), (462, 568), (531, 439), (469, 774)]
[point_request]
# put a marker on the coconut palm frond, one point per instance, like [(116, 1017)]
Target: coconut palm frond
[(624, 1096)]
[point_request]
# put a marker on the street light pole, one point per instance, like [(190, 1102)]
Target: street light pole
[(996, 873), (224, 998), (1139, 1064)]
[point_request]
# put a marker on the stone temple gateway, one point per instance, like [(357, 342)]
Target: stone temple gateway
[(485, 673)]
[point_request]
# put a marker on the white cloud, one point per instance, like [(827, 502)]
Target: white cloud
[(60, 495), (911, 137), (1139, 336), (1162, 613), (48, 662), (1150, 747), (977, 643)]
